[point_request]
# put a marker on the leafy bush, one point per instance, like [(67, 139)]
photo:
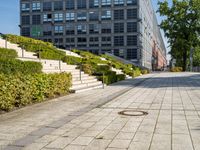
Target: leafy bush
[(7, 53), (87, 68), (13, 66), (144, 71), (20, 89), (121, 77), (47, 50), (176, 69), (111, 77), (71, 60)]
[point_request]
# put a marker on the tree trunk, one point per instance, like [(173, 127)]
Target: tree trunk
[(185, 59)]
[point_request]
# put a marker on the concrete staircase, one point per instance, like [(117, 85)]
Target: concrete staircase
[(19, 50), (80, 81)]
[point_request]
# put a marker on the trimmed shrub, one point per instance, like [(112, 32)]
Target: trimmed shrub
[(176, 69), (87, 68), (7, 53), (20, 90), (120, 77), (144, 71), (71, 60), (13, 66)]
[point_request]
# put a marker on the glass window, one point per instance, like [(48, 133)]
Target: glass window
[(119, 27), (36, 19), (25, 7), (131, 53), (94, 3), (81, 39), (47, 17), (131, 2), (25, 31), (132, 40), (119, 41), (93, 28), (106, 39), (106, 28), (70, 16), (118, 14), (35, 6), (131, 13), (70, 29), (25, 20), (81, 3), (47, 30), (47, 6), (106, 15), (106, 3), (81, 29), (58, 5), (118, 2), (58, 17), (131, 26), (58, 30), (94, 39), (94, 15), (70, 4), (81, 16)]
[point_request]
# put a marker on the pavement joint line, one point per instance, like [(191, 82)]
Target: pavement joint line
[(24, 142), (141, 122), (186, 118), (147, 109), (157, 119)]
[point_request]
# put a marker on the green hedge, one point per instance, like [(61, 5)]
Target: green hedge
[(13, 66), (71, 60), (176, 69), (111, 78), (20, 89), (7, 53)]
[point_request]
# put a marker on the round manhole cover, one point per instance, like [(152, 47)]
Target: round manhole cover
[(133, 113)]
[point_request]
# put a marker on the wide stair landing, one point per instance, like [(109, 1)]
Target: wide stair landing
[(80, 81)]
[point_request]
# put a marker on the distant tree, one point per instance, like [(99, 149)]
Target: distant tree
[(181, 25)]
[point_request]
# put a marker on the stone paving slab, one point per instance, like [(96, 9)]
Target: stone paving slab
[(172, 101)]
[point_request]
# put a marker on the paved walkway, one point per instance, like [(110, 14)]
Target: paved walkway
[(90, 120)]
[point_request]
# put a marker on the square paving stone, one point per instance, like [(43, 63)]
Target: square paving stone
[(81, 140)]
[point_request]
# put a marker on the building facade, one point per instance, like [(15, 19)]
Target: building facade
[(122, 27)]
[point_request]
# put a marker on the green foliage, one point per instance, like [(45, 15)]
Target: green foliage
[(176, 69), (47, 50), (20, 89), (13, 66), (71, 60), (181, 26), (196, 55), (7, 53), (111, 77), (144, 71), (87, 68)]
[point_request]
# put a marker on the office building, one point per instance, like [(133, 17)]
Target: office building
[(122, 27)]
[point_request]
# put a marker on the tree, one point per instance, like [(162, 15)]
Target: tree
[(181, 25)]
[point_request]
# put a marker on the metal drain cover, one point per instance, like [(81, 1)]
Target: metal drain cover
[(133, 113)]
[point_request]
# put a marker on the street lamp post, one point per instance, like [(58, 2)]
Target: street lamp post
[(22, 45)]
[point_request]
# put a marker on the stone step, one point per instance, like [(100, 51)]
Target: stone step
[(78, 75), (82, 85), (84, 81), (83, 78), (87, 88)]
